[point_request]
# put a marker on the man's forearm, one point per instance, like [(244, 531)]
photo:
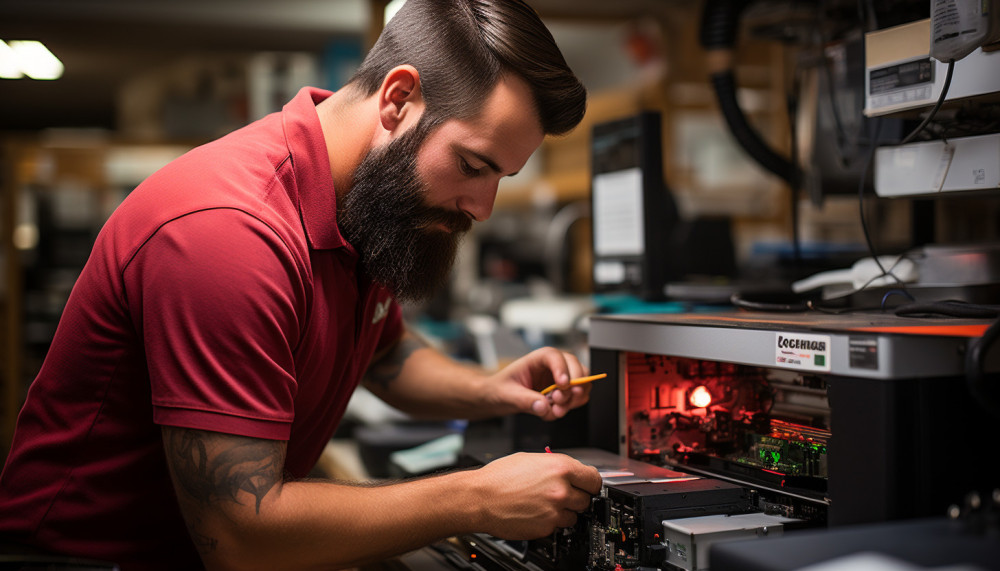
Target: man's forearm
[(242, 516), (319, 524), (418, 379)]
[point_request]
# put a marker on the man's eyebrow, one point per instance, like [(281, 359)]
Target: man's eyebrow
[(486, 160)]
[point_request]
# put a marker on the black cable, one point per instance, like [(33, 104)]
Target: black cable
[(720, 22), (887, 274), (719, 27), (718, 32), (764, 304), (934, 110), (724, 85), (877, 122), (871, 157), (984, 388), (948, 308), (842, 310)]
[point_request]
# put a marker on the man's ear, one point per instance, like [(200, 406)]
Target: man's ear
[(399, 99)]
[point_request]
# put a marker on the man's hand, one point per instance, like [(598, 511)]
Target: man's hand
[(420, 381), (519, 383), (528, 496)]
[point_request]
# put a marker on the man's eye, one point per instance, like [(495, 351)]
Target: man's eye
[(466, 168)]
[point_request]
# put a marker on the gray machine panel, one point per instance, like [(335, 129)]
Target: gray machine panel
[(874, 346)]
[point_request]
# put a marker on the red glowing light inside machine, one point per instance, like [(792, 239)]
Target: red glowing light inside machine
[(700, 397)]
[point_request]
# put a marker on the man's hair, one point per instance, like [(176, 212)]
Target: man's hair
[(462, 48)]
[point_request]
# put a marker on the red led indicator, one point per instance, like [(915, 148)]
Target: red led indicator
[(700, 397)]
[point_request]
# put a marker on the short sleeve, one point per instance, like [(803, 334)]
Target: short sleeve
[(216, 296)]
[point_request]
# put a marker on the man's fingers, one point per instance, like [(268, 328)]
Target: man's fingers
[(588, 479), (578, 500), (562, 366), (555, 361)]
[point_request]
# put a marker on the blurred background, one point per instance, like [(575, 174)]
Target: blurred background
[(140, 82)]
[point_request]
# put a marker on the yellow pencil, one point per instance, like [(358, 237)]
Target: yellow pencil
[(574, 382)]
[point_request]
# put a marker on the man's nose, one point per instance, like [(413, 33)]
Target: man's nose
[(479, 203)]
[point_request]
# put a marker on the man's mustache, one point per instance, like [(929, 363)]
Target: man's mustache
[(456, 222)]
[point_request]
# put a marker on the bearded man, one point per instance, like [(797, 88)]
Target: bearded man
[(237, 297)]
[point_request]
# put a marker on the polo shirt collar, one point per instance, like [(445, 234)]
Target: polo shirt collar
[(311, 162)]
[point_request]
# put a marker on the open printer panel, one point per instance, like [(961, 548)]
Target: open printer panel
[(766, 428), (831, 419)]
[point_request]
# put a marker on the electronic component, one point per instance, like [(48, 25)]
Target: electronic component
[(760, 426), (623, 529), (626, 525), (901, 75), (687, 540), (960, 164), (960, 26)]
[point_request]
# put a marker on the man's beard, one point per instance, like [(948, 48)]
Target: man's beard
[(385, 217)]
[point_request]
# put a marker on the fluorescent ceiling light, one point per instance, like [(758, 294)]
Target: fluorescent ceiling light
[(36, 61), (32, 59), (8, 63)]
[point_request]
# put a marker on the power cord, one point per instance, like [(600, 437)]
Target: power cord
[(876, 128), (774, 303), (871, 157), (940, 101), (984, 388), (948, 308)]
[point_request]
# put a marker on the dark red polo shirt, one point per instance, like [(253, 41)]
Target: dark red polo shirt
[(219, 296)]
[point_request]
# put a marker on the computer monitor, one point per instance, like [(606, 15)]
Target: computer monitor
[(633, 212)]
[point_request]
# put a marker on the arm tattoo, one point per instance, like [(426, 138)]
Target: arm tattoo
[(212, 468), (387, 369)]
